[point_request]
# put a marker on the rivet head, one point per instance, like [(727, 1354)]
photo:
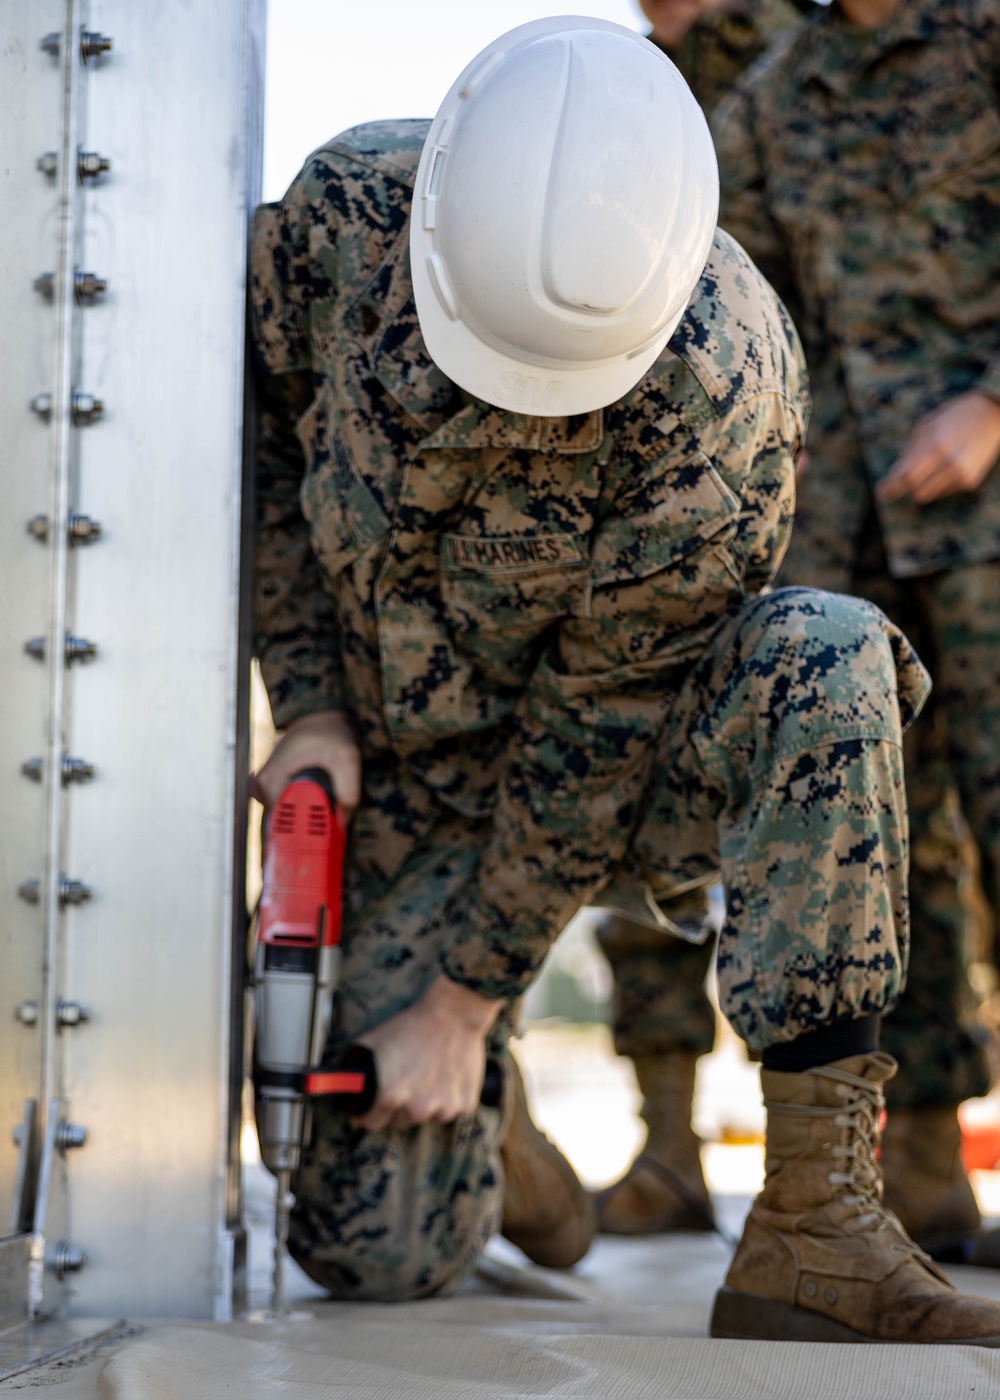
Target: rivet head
[(810, 1290), (830, 1295)]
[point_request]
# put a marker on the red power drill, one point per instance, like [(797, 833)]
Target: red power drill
[(296, 962), (296, 965)]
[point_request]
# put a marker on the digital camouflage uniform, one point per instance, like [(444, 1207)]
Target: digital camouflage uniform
[(723, 43), (861, 169), (548, 636), (660, 1002)]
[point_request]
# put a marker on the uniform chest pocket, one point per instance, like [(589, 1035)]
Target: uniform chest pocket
[(669, 517), (344, 517), (664, 570), (949, 142), (510, 584)]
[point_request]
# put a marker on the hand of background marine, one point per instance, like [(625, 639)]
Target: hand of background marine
[(323, 740), (950, 450), (431, 1058)]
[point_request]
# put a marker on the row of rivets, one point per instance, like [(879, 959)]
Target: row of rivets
[(85, 408)]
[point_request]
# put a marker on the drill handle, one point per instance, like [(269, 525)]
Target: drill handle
[(321, 778), (351, 1085)]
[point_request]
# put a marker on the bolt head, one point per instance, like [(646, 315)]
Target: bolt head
[(87, 286), (91, 164), (83, 530), (86, 409), (71, 1013), (93, 45)]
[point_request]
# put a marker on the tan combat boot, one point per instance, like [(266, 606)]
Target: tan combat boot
[(664, 1189), (546, 1211), (925, 1182), (821, 1260)]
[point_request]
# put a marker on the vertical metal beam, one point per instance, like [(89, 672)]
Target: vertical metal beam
[(157, 954)]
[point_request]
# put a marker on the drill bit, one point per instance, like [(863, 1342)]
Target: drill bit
[(282, 1206)]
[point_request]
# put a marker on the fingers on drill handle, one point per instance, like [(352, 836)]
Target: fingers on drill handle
[(351, 1085)]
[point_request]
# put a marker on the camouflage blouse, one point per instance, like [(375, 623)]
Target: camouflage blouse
[(503, 604)]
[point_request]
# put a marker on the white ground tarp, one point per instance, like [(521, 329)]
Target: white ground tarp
[(595, 1342)]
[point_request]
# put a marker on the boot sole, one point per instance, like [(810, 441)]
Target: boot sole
[(750, 1318)]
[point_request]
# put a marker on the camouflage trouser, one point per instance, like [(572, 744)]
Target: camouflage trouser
[(951, 753), (660, 1004), (953, 620), (781, 763)]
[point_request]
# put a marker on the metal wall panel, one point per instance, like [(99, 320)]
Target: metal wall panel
[(174, 108)]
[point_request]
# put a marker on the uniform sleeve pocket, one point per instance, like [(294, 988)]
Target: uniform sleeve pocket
[(948, 137), (668, 517), (344, 517)]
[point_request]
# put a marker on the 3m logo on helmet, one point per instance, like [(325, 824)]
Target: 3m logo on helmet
[(530, 390)]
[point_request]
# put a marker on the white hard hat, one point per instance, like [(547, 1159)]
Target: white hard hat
[(564, 209)]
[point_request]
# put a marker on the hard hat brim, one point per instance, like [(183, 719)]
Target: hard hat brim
[(510, 383)]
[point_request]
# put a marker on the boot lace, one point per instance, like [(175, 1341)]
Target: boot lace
[(860, 1114)]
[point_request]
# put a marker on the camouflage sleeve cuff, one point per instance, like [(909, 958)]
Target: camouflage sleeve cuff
[(493, 959), (989, 384), (299, 686)]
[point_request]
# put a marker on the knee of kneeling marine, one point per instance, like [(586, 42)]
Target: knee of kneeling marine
[(371, 1268), (838, 656)]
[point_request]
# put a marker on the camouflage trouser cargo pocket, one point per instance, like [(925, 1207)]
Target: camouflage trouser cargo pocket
[(782, 763)]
